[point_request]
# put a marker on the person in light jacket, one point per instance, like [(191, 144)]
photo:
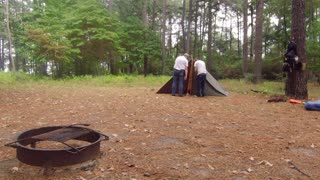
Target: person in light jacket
[(201, 70), (180, 73)]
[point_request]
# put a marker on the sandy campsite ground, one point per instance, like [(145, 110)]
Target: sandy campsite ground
[(157, 136)]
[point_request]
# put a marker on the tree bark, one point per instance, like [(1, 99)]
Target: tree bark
[(203, 27), (145, 24), (258, 41), (154, 15), (110, 4), (238, 34), (183, 25), (163, 38), (170, 36), (112, 63), (245, 37), (2, 55), (296, 84), (251, 38), (209, 45), (12, 65), (188, 41), (230, 36), (195, 30)]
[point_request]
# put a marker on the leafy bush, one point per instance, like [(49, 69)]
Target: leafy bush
[(7, 78), (272, 68), (249, 77)]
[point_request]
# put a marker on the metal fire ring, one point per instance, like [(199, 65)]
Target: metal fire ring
[(28, 153)]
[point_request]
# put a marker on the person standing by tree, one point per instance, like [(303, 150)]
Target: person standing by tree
[(290, 57), (200, 68), (296, 83), (180, 73)]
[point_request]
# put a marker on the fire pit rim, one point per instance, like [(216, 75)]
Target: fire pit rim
[(57, 157), (20, 137)]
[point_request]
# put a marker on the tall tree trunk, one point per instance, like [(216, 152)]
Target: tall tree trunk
[(245, 37), (145, 24), (238, 34), (296, 84), (202, 28), (209, 45), (154, 15), (251, 39), (163, 38), (188, 42), (183, 25), (223, 31), (285, 26), (215, 27), (110, 4), (2, 57), (12, 66), (170, 37), (195, 30), (177, 46), (230, 36), (258, 41), (112, 63)]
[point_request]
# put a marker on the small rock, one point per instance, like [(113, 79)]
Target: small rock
[(14, 169), (292, 142), (81, 178), (313, 146)]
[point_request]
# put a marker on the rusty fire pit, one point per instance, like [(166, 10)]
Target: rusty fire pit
[(60, 152)]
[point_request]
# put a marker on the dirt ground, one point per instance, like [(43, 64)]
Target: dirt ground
[(158, 136)]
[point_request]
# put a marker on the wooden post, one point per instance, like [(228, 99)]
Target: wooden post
[(190, 77)]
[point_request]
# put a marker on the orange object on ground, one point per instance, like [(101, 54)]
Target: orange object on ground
[(295, 101)]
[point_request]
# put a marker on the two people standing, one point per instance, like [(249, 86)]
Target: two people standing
[(180, 73)]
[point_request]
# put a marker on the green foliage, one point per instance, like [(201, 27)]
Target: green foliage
[(7, 78), (227, 66), (10, 78), (74, 37), (86, 37), (313, 46), (272, 68), (138, 42), (129, 8), (249, 77)]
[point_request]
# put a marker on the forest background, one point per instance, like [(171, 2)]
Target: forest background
[(101, 37)]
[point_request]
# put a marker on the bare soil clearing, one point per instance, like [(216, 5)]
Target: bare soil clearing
[(158, 136)]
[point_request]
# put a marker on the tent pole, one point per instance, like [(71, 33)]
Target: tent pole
[(190, 78)]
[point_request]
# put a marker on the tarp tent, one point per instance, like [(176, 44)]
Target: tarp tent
[(213, 88)]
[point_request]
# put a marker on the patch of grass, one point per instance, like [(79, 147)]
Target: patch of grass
[(118, 81), (21, 80), (269, 88), (244, 86), (9, 78)]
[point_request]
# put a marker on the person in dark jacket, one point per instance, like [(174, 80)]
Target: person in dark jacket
[(291, 59), (290, 56)]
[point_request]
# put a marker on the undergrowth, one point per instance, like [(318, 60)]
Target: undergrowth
[(22, 80)]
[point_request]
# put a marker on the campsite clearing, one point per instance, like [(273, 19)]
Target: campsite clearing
[(157, 136)]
